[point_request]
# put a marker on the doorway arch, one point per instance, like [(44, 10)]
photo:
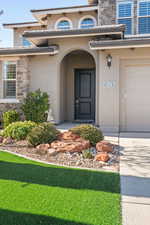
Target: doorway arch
[(77, 87)]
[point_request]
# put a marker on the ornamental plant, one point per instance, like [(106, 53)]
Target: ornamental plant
[(44, 133), (88, 132), (19, 130), (10, 117), (35, 106)]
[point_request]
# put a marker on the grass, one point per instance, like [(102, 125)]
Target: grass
[(33, 193)]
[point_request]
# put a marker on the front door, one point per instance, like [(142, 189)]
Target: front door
[(85, 95)]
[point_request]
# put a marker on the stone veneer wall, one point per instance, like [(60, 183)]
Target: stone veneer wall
[(23, 78), (107, 12)]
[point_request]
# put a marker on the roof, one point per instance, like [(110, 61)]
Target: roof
[(70, 7), (41, 14), (99, 30), (51, 50), (24, 24), (123, 43)]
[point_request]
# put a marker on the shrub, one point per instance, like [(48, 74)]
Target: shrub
[(10, 117), (19, 130), (87, 154), (42, 134), (35, 106), (88, 132)]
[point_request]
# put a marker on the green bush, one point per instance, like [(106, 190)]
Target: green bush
[(10, 117), (36, 106), (19, 130), (43, 134), (88, 132), (87, 154)]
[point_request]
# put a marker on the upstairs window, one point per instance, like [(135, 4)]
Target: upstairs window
[(87, 23), (63, 25), (25, 42), (9, 79), (144, 17), (124, 15)]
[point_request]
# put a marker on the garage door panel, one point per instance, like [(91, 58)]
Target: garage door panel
[(135, 97)]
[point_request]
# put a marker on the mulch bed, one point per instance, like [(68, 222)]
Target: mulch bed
[(65, 159)]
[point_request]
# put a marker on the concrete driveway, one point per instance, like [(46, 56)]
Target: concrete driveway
[(135, 178)]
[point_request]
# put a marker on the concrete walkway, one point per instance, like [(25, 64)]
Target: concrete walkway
[(135, 178)]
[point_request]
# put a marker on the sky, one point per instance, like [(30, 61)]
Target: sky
[(19, 11)]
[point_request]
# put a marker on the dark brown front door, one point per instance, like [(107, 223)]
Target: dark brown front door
[(85, 94)]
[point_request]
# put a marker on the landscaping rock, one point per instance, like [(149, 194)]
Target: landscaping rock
[(70, 146), (68, 136), (52, 152), (8, 141), (1, 139), (104, 146), (42, 149), (103, 157)]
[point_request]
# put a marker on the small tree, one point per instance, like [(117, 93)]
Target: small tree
[(36, 106)]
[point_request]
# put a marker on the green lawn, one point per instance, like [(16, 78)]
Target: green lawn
[(33, 193)]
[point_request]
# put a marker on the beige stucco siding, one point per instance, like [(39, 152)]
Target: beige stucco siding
[(44, 72), (18, 32), (47, 74), (74, 17), (110, 101)]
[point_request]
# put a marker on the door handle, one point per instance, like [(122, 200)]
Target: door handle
[(77, 101)]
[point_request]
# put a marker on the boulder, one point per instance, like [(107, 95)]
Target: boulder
[(68, 136), (104, 146), (70, 146), (8, 141), (52, 152), (42, 149), (1, 139), (103, 157)]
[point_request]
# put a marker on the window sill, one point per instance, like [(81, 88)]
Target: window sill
[(9, 101)]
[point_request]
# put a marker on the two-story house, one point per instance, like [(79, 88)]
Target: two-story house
[(92, 60)]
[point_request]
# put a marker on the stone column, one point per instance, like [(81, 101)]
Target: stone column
[(135, 17), (23, 78), (106, 12)]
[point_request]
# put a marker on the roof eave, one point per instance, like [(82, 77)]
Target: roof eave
[(123, 45), (28, 52)]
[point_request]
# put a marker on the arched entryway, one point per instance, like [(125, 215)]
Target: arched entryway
[(77, 87)]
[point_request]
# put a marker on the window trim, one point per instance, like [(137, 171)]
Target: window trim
[(87, 17), (61, 19), (131, 17), (138, 16), (4, 79)]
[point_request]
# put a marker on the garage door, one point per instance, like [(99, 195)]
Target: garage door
[(135, 95)]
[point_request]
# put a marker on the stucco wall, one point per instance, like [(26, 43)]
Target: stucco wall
[(109, 85), (74, 17), (17, 34), (45, 71)]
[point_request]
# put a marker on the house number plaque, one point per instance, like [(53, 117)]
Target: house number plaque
[(109, 84)]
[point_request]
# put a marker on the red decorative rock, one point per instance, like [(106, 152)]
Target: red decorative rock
[(70, 146), (104, 146), (8, 141), (68, 136), (1, 139), (52, 152), (42, 149), (104, 157)]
